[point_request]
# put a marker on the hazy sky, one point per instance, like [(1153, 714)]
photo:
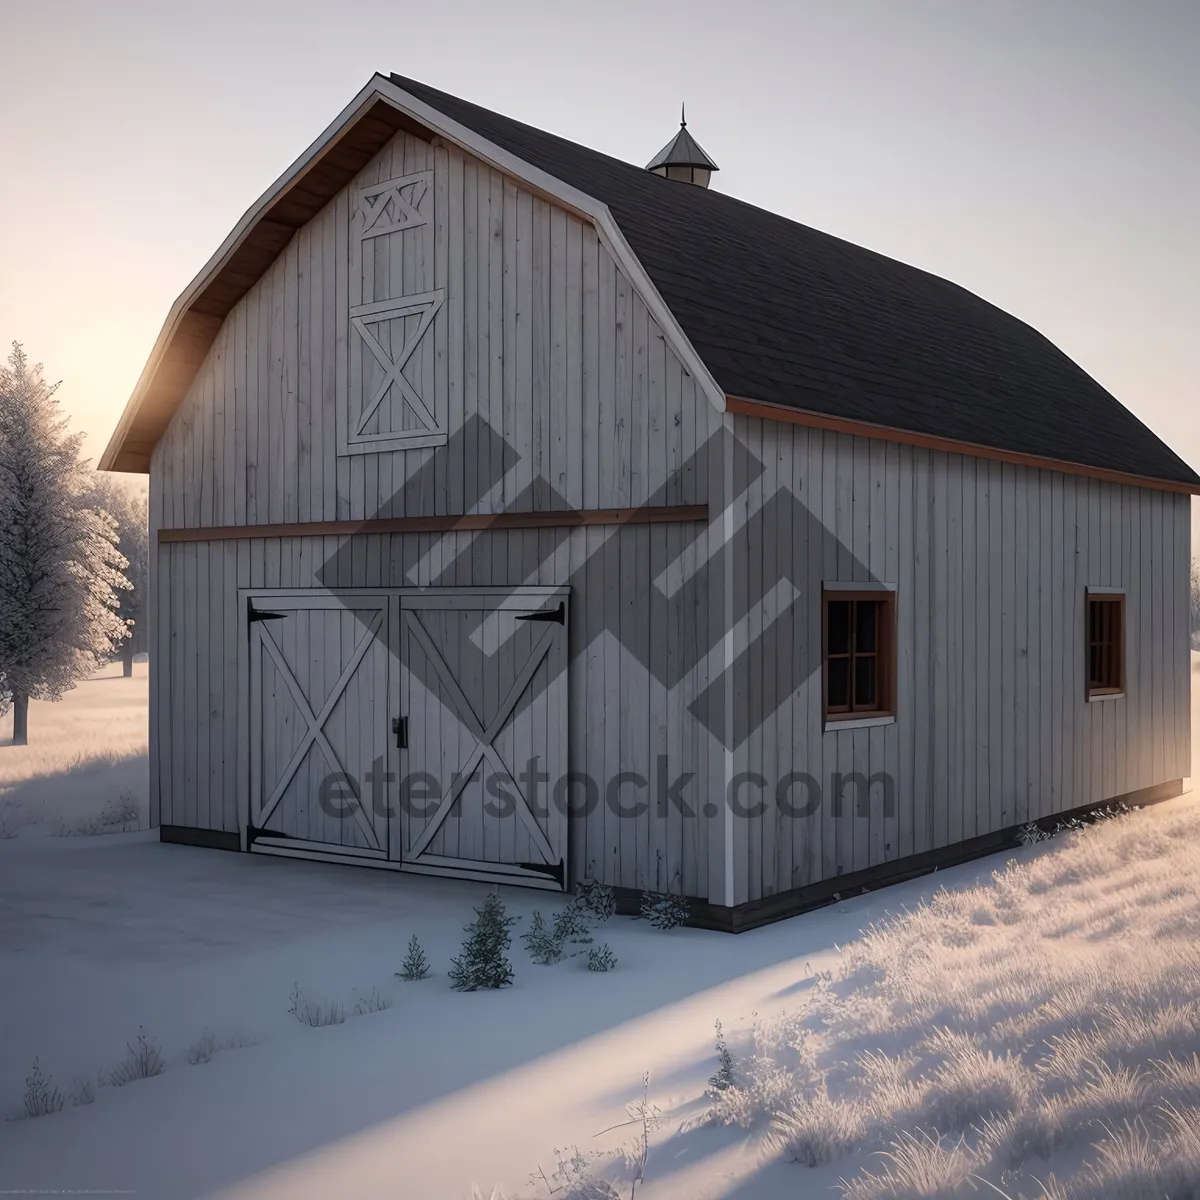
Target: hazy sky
[(1043, 153)]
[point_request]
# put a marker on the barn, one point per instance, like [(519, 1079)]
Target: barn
[(523, 515)]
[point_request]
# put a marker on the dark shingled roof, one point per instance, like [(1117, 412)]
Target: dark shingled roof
[(786, 314)]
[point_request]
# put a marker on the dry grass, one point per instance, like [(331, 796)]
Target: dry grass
[(1044, 1022)]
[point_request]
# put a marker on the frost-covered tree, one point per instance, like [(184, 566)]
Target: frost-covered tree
[(128, 507), (1195, 608), (60, 569)]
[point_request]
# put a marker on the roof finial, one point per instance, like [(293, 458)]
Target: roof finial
[(682, 116)]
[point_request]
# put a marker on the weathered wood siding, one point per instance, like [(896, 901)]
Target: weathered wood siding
[(990, 563), (542, 342)]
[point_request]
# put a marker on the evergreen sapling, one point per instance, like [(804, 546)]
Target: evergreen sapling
[(482, 962), (415, 965), (543, 944)]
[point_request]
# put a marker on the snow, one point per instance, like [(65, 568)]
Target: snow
[(102, 937)]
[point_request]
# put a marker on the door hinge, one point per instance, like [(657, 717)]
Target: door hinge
[(557, 615), (556, 870), (253, 832), (257, 614)]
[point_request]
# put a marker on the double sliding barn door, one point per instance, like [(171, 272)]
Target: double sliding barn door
[(421, 729)]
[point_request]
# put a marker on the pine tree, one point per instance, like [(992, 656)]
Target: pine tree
[(60, 570), (129, 509), (482, 962), (415, 964)]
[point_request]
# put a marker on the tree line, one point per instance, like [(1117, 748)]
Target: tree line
[(73, 552)]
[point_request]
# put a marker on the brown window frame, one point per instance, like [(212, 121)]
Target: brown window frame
[(1111, 643), (884, 654)]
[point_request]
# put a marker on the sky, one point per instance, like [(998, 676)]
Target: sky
[(1043, 153)]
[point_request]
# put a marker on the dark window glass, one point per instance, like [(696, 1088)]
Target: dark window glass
[(864, 682), (866, 619), (838, 632), (838, 690)]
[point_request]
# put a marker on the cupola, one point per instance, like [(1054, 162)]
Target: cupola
[(682, 158)]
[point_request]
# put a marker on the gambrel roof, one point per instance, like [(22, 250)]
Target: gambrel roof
[(788, 315), (760, 307)]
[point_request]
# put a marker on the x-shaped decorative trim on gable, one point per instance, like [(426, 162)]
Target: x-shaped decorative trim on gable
[(406, 214)]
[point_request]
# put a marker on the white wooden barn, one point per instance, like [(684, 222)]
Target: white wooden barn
[(526, 515)]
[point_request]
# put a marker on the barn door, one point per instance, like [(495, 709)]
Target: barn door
[(319, 722), (483, 695)]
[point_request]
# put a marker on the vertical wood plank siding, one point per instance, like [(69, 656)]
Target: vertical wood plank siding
[(543, 337), (991, 562)]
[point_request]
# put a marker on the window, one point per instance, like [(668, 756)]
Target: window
[(1105, 644), (859, 654)]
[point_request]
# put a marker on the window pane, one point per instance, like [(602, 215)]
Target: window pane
[(1093, 621), (866, 613), (837, 691), (865, 682), (1095, 673), (838, 627)]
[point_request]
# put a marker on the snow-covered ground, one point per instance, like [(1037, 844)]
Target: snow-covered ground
[(1081, 957), (86, 758)]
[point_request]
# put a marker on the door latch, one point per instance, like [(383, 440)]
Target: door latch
[(400, 729)]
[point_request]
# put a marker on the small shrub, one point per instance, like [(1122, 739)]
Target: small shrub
[(1031, 834), (572, 924), (483, 961), (41, 1096), (664, 910), (722, 1081), (544, 944), (82, 1092), (10, 822), (601, 958), (313, 1010), (574, 1178), (374, 1001), (415, 965), (598, 900), (143, 1060), (115, 817), (202, 1049)]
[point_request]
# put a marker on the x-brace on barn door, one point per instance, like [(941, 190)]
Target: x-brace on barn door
[(484, 694), (318, 715)]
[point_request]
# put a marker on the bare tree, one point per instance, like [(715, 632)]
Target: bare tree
[(128, 507), (60, 569)]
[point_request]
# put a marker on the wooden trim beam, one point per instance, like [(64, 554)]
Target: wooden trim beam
[(885, 433), (553, 519)]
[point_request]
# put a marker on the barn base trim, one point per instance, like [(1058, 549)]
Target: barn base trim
[(756, 913), (209, 839)]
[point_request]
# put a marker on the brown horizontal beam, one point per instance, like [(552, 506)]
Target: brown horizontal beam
[(885, 433), (570, 518)]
